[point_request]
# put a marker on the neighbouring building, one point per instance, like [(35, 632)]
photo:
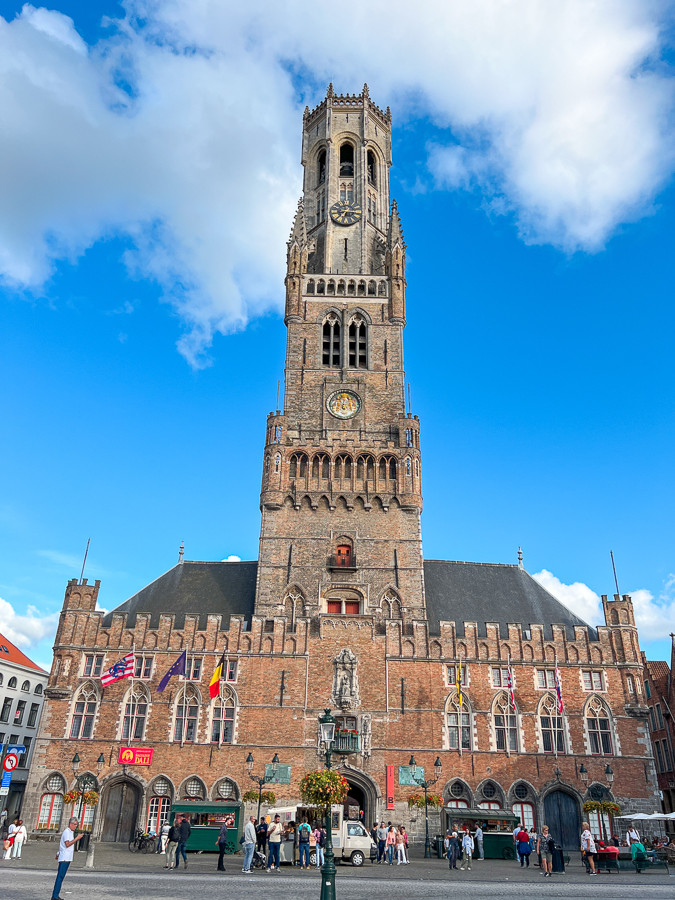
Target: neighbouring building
[(22, 685), (659, 696), (341, 609)]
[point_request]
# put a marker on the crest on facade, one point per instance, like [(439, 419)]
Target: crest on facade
[(345, 681)]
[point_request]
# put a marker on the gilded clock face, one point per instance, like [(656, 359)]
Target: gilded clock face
[(343, 404), (345, 212)]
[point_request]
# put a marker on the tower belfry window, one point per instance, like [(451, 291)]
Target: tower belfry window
[(346, 160), (372, 169), (331, 342), (321, 163), (358, 344)]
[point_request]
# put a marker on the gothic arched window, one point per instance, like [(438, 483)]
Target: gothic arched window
[(599, 727), (331, 341), (458, 722), (372, 168), (346, 160), (84, 712), (358, 343), (551, 724), (347, 191), (186, 720), (222, 717), (135, 713), (321, 167), (505, 722)]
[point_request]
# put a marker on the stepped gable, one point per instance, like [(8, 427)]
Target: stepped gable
[(492, 592), (208, 588)]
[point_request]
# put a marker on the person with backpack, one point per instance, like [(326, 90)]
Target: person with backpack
[(303, 841), (524, 847), (639, 855), (545, 848)]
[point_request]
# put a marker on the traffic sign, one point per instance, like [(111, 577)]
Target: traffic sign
[(10, 762), (16, 748), (4, 791)]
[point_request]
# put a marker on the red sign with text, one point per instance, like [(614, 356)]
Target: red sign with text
[(135, 756), (390, 787)]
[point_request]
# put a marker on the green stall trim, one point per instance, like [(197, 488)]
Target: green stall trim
[(206, 819)]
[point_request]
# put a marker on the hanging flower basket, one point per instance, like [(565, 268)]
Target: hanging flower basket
[(90, 798), (613, 809), (592, 806), (267, 798), (323, 788), (71, 797), (417, 800)]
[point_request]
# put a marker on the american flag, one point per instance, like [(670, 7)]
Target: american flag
[(511, 685), (558, 690), (123, 668)]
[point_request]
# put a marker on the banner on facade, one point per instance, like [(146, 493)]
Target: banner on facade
[(135, 756), (390, 786)]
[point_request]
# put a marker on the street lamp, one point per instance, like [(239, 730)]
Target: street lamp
[(87, 782), (425, 784), (609, 774), (583, 773), (326, 742), (262, 780)]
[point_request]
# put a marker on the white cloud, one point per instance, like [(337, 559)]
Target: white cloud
[(232, 559), (181, 130), (577, 597), (654, 617), (27, 630)]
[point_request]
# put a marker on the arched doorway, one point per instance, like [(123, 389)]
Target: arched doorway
[(361, 795), (561, 814), (121, 811)]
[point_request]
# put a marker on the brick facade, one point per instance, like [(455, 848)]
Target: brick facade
[(339, 611)]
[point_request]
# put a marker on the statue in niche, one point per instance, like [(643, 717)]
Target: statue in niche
[(345, 681)]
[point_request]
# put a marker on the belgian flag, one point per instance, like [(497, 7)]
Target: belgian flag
[(214, 684)]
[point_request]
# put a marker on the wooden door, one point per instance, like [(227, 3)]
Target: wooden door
[(121, 812), (561, 814)]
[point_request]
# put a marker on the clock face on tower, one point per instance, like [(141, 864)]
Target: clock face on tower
[(343, 404), (345, 212)]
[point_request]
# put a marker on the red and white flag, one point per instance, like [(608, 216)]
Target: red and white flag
[(123, 668)]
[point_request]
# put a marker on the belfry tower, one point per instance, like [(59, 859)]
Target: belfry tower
[(341, 489)]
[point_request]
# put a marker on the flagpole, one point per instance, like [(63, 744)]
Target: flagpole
[(458, 684)]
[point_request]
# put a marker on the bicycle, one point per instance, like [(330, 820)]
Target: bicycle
[(142, 843)]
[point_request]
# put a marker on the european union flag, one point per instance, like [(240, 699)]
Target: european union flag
[(178, 668)]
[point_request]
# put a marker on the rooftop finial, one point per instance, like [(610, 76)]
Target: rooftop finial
[(365, 90), (520, 558), (181, 551), (329, 92)]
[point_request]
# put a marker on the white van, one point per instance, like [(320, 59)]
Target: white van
[(351, 841)]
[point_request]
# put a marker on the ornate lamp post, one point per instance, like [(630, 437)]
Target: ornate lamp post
[(327, 739), (85, 783), (583, 773), (425, 784), (261, 781)]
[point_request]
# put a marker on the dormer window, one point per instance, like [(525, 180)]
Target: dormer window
[(346, 160)]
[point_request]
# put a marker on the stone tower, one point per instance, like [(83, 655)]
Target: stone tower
[(341, 489)]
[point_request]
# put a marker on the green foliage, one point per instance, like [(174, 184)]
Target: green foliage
[(323, 788)]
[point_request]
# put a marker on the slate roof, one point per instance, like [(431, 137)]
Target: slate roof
[(455, 591), (9, 652), (486, 592), (207, 588)]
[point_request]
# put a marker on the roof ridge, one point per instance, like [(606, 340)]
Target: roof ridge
[(468, 562)]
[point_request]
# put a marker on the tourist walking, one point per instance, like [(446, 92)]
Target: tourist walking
[(452, 849), (184, 831), (320, 837), (545, 848), (478, 840), (274, 842), (381, 842), (304, 832), (400, 847), (65, 854), (249, 844), (405, 844), (172, 845), (524, 847), (163, 838), (221, 844), (20, 835), (391, 844), (8, 842), (261, 836), (588, 848), (467, 850)]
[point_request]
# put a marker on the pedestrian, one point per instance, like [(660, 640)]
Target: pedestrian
[(172, 844), (478, 839), (65, 854), (545, 848), (184, 831), (163, 838), (516, 830), (588, 848), (3, 817), (20, 835), (533, 844), (8, 842), (274, 842), (524, 847), (261, 836), (405, 844), (320, 835), (249, 844), (467, 849), (304, 832), (221, 844), (381, 842), (391, 844), (453, 849), (632, 835), (639, 855), (373, 833), (400, 847)]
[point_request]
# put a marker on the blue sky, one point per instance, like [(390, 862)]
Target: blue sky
[(150, 170)]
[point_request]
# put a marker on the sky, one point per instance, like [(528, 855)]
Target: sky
[(149, 173)]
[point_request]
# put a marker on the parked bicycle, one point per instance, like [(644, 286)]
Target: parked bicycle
[(143, 842)]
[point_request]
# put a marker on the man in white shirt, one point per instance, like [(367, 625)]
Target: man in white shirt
[(65, 854), (632, 835), (249, 844)]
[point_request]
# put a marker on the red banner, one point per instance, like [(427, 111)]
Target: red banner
[(390, 787), (135, 756)]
